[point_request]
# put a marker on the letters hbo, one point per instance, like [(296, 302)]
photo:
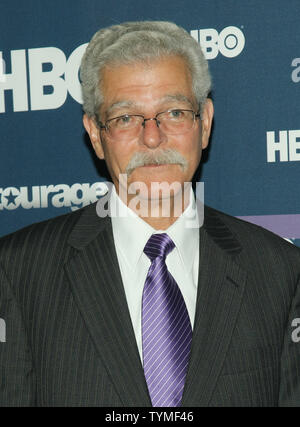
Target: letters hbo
[(230, 41), (48, 87)]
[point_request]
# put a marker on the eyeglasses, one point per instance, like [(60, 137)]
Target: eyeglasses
[(171, 122)]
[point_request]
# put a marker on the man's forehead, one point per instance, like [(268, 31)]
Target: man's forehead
[(132, 86)]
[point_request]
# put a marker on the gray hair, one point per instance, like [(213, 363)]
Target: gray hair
[(143, 41)]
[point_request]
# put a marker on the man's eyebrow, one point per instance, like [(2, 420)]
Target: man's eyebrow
[(120, 104), (177, 98), (167, 98)]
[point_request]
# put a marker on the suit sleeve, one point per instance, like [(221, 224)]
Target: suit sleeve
[(289, 395), (17, 377)]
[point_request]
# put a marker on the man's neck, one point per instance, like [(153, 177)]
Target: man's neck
[(161, 214), (159, 223)]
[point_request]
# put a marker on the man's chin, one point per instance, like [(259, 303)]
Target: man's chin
[(155, 190), (152, 182)]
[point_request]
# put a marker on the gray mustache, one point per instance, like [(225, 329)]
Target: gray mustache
[(167, 156)]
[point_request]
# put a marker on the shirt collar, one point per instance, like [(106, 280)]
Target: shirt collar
[(132, 231)]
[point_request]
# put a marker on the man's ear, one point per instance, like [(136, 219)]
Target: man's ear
[(94, 134), (207, 117)]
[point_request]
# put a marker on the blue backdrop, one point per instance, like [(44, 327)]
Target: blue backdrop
[(251, 169)]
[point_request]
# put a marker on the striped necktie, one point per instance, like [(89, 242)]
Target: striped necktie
[(166, 327)]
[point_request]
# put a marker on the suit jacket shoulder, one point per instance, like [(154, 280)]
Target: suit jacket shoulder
[(250, 236)]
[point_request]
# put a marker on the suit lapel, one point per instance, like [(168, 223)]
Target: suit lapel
[(98, 290), (220, 290)]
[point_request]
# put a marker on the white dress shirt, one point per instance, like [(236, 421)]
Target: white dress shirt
[(131, 234)]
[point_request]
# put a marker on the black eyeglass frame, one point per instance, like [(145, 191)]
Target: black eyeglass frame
[(105, 127)]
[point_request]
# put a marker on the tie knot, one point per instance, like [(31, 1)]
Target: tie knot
[(158, 245)]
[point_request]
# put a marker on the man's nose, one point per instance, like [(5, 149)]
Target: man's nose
[(152, 135)]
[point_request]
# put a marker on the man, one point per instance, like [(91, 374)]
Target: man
[(135, 302)]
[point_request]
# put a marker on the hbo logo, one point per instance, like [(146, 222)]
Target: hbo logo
[(230, 41)]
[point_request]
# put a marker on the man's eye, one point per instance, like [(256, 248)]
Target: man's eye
[(123, 121), (176, 114)]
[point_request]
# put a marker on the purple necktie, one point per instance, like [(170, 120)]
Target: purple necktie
[(166, 327)]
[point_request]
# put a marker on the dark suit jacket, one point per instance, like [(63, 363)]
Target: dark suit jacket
[(69, 337)]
